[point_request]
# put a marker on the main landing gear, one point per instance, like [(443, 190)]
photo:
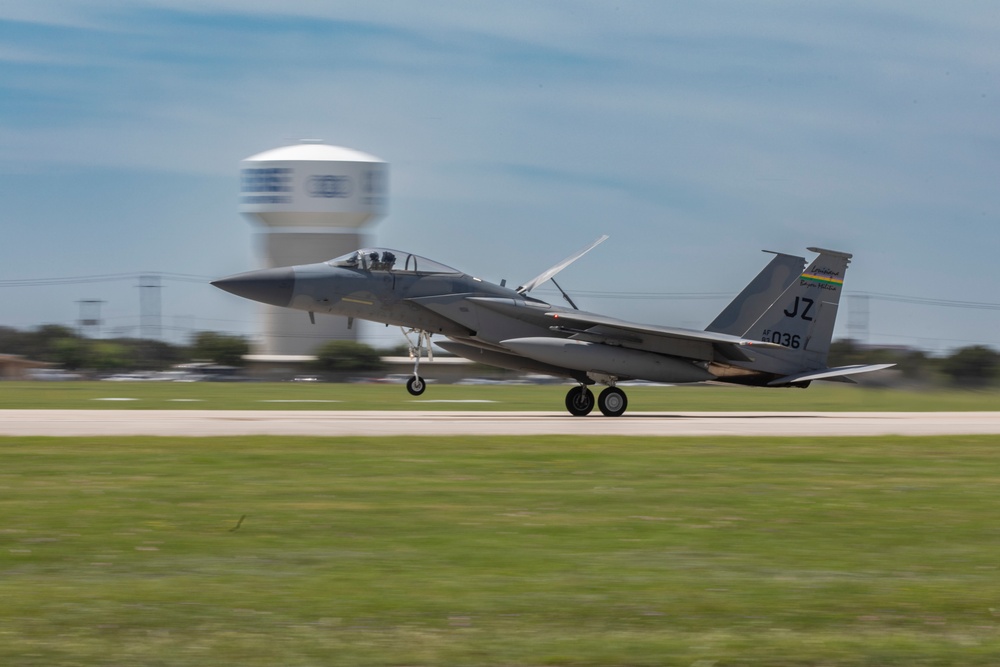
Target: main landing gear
[(612, 402), (580, 401)]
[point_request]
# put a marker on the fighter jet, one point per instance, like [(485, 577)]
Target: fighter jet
[(775, 333)]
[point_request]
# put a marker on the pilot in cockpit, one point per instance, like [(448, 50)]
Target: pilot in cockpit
[(367, 260)]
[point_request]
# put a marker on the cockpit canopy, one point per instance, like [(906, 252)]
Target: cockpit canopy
[(384, 259)]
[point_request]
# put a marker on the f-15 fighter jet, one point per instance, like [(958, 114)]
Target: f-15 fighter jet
[(775, 333)]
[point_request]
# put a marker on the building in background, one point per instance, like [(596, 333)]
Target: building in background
[(310, 202)]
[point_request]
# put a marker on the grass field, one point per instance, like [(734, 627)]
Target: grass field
[(549, 398), (493, 551)]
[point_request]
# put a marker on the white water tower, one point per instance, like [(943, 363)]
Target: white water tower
[(312, 203)]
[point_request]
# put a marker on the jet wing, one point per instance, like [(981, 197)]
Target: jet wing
[(702, 345)]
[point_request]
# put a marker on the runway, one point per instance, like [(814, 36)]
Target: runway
[(401, 423)]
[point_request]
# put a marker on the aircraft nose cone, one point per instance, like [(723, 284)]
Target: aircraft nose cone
[(273, 286)]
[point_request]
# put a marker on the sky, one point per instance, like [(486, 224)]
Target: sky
[(693, 134)]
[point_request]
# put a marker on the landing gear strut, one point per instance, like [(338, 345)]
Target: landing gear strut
[(580, 401), (416, 385)]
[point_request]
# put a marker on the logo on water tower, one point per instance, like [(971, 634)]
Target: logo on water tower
[(329, 187)]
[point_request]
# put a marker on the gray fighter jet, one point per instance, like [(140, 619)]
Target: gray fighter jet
[(775, 333)]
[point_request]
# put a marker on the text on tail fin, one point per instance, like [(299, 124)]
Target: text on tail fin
[(802, 318)]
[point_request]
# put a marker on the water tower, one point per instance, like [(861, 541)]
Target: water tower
[(312, 202)]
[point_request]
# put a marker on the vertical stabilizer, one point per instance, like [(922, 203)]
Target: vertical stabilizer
[(802, 318), (758, 296)]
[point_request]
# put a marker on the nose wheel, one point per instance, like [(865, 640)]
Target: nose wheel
[(415, 385)]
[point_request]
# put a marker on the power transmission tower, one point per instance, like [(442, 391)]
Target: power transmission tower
[(150, 314), (90, 317), (857, 318)]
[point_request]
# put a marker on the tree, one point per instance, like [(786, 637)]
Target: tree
[(347, 355), (13, 341), (220, 348), (45, 343), (106, 355), (153, 354), (974, 366), (71, 353)]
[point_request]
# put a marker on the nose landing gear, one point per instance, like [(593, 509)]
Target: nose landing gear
[(416, 385)]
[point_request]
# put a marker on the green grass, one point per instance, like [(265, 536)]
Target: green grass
[(500, 551), (549, 398)]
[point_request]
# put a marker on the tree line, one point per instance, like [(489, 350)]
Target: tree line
[(972, 366), (69, 350), (66, 348)]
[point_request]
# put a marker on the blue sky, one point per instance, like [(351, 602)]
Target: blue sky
[(694, 134)]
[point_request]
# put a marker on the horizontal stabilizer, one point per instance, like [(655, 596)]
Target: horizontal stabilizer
[(838, 373)]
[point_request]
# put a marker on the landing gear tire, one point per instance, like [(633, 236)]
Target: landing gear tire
[(415, 385), (580, 401), (612, 402)]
